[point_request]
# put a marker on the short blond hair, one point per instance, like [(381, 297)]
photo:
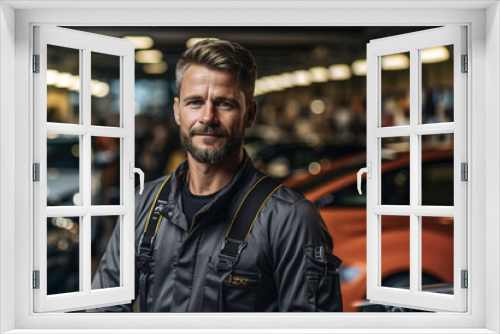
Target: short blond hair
[(221, 55)]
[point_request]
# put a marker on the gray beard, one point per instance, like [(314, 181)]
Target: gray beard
[(211, 155)]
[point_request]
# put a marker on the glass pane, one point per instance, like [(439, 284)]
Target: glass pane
[(395, 79), (63, 170), (105, 89), (437, 170), (63, 85), (105, 171), (102, 230), (437, 254), (395, 261), (395, 172), (437, 84), (63, 262)]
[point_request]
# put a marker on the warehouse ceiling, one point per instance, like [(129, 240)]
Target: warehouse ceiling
[(276, 49)]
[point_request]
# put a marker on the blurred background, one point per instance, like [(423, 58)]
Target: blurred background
[(310, 132)]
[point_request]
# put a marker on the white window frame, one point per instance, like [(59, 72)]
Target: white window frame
[(85, 44), (483, 21), (413, 43)]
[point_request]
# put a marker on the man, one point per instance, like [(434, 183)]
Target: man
[(286, 262)]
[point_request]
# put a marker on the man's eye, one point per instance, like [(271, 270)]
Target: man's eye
[(194, 103), (225, 104)]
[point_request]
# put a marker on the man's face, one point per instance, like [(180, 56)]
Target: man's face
[(212, 114)]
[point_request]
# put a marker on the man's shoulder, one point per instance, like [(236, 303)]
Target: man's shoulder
[(157, 182), (153, 185), (287, 195)]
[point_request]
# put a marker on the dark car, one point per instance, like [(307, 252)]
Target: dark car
[(283, 160)]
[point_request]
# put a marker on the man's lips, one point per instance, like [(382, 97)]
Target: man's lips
[(207, 134)]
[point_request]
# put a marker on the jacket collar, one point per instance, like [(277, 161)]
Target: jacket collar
[(220, 201)]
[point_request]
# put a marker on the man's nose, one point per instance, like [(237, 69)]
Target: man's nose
[(208, 114)]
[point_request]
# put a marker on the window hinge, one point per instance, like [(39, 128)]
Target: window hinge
[(36, 172), (36, 279), (465, 64), (464, 171), (36, 63), (465, 279)]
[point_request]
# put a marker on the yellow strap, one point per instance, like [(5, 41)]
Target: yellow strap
[(260, 209), (153, 206), (241, 204)]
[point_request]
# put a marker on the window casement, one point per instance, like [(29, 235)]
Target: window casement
[(482, 101), (82, 128), (415, 134)]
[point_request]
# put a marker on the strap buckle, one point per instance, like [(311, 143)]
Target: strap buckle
[(146, 249), (229, 256), (241, 244), (142, 263), (319, 254)]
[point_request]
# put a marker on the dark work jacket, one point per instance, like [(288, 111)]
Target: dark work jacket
[(277, 270)]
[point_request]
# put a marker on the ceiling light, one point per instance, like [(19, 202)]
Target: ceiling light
[(260, 87), (434, 55), (148, 56), (359, 67), (286, 80), (319, 74), (301, 78), (52, 135), (140, 42), (279, 82), (192, 41), (317, 107), (271, 84), (395, 62), (52, 76), (158, 68), (75, 83), (340, 72), (314, 168), (64, 80), (98, 88), (257, 91)]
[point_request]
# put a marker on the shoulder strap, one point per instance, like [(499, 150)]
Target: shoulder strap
[(146, 242), (244, 219)]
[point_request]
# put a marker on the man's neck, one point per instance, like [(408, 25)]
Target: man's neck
[(206, 178)]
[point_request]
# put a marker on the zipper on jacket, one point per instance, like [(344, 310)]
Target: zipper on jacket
[(192, 224)]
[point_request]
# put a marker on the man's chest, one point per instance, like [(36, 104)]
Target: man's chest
[(189, 277)]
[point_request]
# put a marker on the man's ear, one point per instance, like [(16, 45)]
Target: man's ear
[(176, 111), (251, 114)]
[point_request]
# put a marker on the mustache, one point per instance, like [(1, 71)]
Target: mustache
[(208, 129)]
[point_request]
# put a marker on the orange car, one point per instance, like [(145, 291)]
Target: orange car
[(334, 191)]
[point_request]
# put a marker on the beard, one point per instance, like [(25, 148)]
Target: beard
[(211, 155)]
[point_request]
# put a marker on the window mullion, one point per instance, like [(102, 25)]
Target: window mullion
[(85, 159), (86, 167), (415, 236)]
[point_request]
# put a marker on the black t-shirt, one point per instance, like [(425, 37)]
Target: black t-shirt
[(191, 204)]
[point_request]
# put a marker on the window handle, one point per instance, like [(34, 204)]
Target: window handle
[(368, 171), (141, 176)]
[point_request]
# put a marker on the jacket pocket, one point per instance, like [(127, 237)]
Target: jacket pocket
[(322, 279), (236, 291)]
